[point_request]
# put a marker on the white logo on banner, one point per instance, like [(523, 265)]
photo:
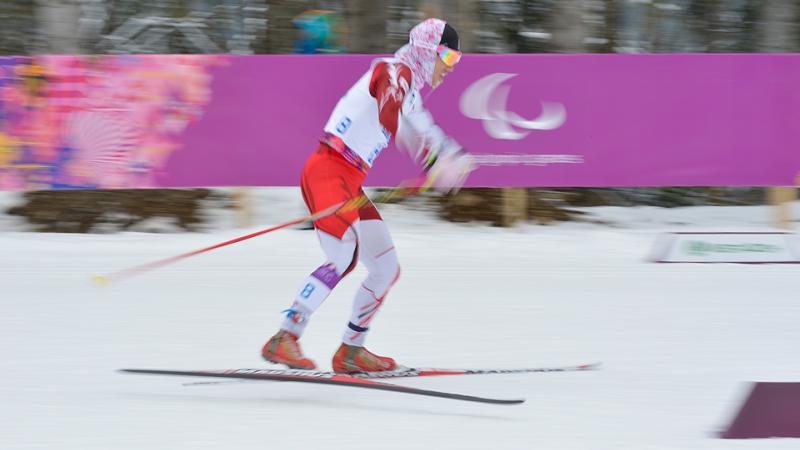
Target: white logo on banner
[(486, 100)]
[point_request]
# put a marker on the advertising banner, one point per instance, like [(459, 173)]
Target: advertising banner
[(84, 122)]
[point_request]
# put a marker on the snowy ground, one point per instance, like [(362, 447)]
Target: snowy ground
[(679, 342)]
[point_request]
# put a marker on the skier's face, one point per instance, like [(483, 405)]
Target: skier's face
[(440, 70)]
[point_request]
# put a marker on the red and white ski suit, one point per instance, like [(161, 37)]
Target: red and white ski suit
[(384, 103)]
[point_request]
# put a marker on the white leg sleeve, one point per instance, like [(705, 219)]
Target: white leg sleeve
[(341, 257), (378, 254)]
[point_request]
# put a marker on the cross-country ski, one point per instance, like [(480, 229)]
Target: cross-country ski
[(410, 372), (322, 378)]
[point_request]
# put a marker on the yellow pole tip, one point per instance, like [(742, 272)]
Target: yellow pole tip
[(100, 280)]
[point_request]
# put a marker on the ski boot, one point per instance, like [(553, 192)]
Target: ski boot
[(352, 359), (283, 348)]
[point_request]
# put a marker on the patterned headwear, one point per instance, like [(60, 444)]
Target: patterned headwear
[(420, 52)]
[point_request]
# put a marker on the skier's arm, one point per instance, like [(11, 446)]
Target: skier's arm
[(446, 163), (389, 85), (445, 160), (423, 139)]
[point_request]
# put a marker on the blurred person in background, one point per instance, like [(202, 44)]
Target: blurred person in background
[(319, 32), (384, 103)]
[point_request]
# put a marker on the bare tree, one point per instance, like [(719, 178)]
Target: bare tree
[(366, 24), (16, 16), (779, 30), (569, 30)]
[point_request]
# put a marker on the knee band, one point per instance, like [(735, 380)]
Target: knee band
[(328, 275)]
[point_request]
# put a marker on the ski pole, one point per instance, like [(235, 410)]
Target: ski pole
[(405, 189)]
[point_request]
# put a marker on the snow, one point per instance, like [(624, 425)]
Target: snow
[(679, 343)]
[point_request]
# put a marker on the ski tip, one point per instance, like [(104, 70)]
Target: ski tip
[(592, 366), (493, 401)]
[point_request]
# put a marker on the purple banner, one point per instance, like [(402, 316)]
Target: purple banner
[(531, 120)]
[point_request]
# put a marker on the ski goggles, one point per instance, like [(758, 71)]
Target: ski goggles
[(449, 56)]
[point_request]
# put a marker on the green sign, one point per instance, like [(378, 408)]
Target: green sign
[(700, 248)]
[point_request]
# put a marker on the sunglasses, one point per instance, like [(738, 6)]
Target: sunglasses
[(449, 56)]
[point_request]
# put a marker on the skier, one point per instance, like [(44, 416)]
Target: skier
[(384, 103)]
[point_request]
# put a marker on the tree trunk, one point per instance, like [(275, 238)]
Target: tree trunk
[(366, 25), (779, 33), (779, 27), (568, 28)]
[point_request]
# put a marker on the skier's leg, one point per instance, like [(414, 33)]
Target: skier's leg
[(341, 258), (327, 180), (378, 254), (342, 255)]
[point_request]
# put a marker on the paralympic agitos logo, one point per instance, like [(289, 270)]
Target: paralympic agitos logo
[(486, 100)]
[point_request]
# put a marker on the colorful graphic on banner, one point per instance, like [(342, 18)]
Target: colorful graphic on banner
[(72, 122), (530, 120)]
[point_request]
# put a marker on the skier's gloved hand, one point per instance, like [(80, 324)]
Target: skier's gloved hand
[(447, 172)]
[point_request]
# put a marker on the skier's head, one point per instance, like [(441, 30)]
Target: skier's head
[(432, 52)]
